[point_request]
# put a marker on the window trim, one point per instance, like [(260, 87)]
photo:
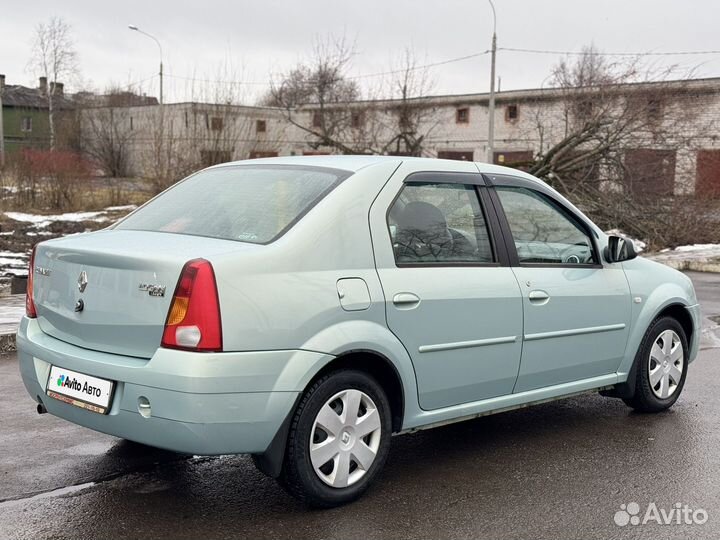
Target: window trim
[(217, 123), (445, 177), (546, 194), (466, 112), (475, 180)]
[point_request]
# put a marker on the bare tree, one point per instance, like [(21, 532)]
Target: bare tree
[(413, 116), (321, 83), (319, 98), (602, 109), (53, 57), (106, 134), (612, 135), (213, 128)]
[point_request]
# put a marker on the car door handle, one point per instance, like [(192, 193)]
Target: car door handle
[(406, 300), (538, 297)]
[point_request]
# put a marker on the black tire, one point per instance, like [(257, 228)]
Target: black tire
[(644, 399), (298, 477)]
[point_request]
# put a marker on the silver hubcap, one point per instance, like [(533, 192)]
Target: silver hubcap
[(345, 438), (666, 364)]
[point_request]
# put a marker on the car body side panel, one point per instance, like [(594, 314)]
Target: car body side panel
[(580, 332), (282, 297), (464, 335), (365, 336)]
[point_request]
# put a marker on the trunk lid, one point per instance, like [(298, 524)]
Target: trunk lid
[(125, 280)]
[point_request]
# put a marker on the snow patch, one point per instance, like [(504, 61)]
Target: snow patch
[(698, 247), (127, 207), (42, 221)]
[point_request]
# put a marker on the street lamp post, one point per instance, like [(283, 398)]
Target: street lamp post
[(133, 27), (491, 105)]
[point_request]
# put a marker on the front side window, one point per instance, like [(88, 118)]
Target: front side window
[(439, 224), (542, 232), (249, 204), (26, 123)]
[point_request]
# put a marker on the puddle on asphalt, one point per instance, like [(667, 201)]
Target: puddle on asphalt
[(96, 448), (69, 490)]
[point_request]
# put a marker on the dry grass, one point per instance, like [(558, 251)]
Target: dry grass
[(88, 194)]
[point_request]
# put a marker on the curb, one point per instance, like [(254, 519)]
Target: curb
[(692, 266)]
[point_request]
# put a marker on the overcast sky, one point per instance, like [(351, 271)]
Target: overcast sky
[(261, 38)]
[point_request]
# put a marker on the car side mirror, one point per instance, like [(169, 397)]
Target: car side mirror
[(619, 249)]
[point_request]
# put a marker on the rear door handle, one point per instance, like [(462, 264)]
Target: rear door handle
[(406, 300), (538, 297)]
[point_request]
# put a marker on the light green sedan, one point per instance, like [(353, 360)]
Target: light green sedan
[(304, 309)]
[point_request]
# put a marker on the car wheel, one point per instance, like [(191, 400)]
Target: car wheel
[(661, 366), (338, 440)]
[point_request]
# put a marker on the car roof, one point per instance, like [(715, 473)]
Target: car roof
[(354, 163)]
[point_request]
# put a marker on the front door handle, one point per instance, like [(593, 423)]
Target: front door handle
[(538, 297), (406, 300)]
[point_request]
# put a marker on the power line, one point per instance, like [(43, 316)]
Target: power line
[(138, 83), (600, 53), (215, 81), (425, 66), (461, 59), (352, 77)]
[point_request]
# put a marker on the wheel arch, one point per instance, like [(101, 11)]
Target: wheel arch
[(680, 313), (379, 367), (675, 309), (369, 361)]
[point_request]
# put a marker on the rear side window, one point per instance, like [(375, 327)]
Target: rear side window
[(439, 224), (250, 204)]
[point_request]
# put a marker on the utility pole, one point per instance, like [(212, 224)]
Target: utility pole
[(491, 104), (136, 29)]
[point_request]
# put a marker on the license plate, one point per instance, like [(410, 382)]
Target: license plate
[(81, 390)]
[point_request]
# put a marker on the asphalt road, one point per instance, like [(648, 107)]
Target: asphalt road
[(558, 470)]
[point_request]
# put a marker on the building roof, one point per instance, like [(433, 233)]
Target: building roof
[(708, 85), (15, 95)]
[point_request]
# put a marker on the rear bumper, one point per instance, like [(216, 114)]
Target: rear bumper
[(201, 403)]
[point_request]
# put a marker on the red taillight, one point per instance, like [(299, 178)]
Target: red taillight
[(193, 321), (29, 300)]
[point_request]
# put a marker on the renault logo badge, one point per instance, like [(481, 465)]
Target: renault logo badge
[(82, 281)]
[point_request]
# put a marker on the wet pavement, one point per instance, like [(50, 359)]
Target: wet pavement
[(558, 470)]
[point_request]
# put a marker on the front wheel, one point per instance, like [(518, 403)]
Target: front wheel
[(661, 366), (338, 441)]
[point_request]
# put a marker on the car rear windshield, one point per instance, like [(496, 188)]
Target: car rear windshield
[(255, 204)]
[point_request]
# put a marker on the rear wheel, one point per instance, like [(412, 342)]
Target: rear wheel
[(662, 366), (338, 440)]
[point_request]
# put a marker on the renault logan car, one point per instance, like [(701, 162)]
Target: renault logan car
[(303, 310)]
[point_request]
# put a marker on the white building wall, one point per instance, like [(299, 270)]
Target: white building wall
[(691, 117)]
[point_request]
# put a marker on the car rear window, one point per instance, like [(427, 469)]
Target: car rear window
[(255, 204)]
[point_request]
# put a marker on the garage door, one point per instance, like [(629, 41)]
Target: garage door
[(708, 173), (650, 172), (453, 154)]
